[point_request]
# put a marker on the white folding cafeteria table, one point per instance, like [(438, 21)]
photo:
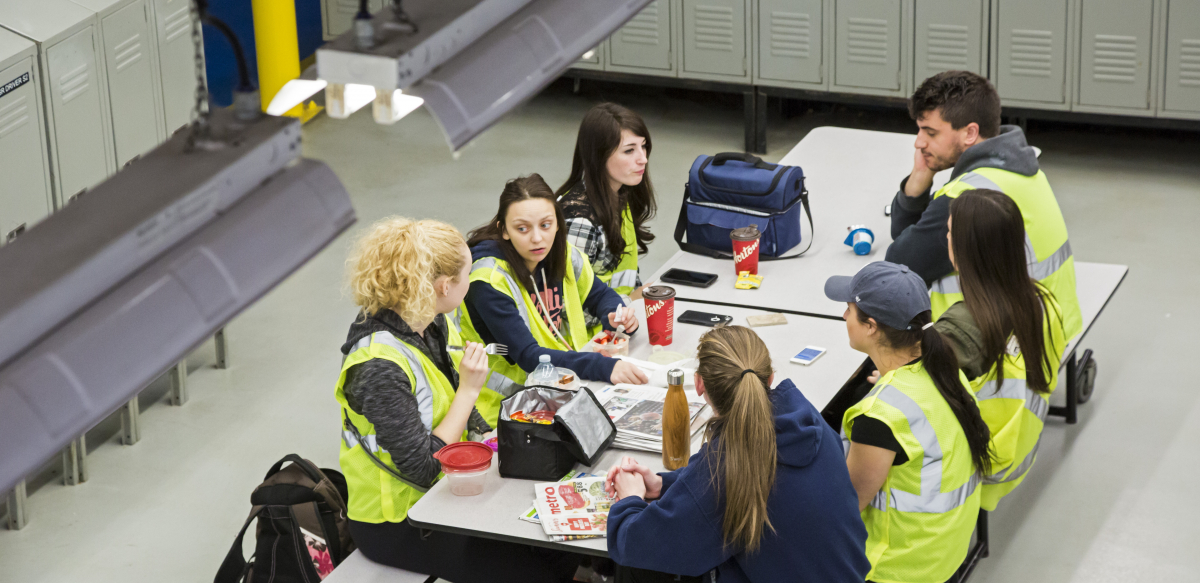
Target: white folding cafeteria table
[(493, 514)]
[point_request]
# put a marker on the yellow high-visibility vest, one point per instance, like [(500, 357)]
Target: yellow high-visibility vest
[(375, 495), (507, 377), (1047, 248), (623, 278), (1014, 413), (919, 524)]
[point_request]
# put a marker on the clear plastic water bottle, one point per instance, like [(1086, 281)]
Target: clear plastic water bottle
[(545, 374)]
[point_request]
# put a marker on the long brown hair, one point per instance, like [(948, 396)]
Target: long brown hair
[(988, 237), (600, 136), (939, 360), (744, 428), (517, 190)]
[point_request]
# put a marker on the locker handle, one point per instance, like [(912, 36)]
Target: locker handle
[(13, 234)]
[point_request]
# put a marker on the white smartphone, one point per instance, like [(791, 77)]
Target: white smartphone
[(808, 355)]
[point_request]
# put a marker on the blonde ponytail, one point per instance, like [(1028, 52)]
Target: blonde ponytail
[(395, 263), (736, 369)]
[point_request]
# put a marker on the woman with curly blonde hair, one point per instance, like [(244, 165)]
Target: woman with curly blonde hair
[(404, 396)]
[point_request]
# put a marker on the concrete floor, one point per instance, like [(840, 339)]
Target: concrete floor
[(1107, 501)]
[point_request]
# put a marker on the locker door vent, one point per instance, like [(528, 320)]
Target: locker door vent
[(791, 34), (128, 52), (347, 7), (868, 41), (947, 46), (714, 28), (74, 83), (178, 23), (1189, 62), (643, 28), (1032, 53), (13, 116), (1116, 58)]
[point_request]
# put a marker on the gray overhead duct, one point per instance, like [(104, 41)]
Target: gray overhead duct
[(99, 299), (471, 61)]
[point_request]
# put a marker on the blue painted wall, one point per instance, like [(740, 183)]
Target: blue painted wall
[(221, 67)]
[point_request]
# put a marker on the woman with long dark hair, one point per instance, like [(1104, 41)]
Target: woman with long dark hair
[(917, 447), (1007, 332), (608, 199), (768, 497), (530, 290)]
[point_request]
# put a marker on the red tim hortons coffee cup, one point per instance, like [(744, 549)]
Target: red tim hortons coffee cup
[(660, 314), (745, 249)]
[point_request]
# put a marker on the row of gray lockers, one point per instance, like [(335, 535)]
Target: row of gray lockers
[(85, 87), (1124, 57)]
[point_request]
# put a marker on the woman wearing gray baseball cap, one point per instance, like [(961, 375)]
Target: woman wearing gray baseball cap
[(917, 448)]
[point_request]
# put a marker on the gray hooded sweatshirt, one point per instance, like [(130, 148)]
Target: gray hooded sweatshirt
[(919, 225)]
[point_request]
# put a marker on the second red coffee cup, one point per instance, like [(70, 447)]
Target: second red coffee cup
[(745, 249), (660, 314)]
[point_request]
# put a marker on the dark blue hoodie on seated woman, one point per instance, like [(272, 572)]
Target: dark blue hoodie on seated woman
[(818, 534), (496, 319)]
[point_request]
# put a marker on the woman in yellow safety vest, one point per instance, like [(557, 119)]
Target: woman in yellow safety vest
[(530, 290), (608, 200), (1006, 323), (404, 396), (916, 446)]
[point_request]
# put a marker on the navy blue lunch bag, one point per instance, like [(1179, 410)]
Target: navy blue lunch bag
[(734, 190)]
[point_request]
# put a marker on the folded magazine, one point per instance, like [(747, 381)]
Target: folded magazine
[(573, 509), (637, 413)]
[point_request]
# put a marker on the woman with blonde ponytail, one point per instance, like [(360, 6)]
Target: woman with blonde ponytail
[(767, 498), (404, 396)]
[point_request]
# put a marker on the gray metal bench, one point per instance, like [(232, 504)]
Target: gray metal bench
[(359, 569)]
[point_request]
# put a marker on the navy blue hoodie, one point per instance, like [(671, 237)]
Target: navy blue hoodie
[(496, 319), (819, 535)]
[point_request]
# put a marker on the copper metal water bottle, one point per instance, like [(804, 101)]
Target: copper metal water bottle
[(676, 423)]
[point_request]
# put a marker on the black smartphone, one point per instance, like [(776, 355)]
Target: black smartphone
[(704, 319), (692, 278)]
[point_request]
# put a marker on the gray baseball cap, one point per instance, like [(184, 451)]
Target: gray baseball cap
[(886, 291)]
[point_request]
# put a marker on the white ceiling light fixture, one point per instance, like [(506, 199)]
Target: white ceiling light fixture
[(293, 93), (391, 106), (343, 100)]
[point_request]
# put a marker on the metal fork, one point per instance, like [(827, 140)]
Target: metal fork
[(491, 349)]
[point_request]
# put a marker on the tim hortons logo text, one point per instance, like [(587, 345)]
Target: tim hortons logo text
[(746, 251), (654, 308)]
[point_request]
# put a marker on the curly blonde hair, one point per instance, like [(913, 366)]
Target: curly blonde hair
[(393, 266)]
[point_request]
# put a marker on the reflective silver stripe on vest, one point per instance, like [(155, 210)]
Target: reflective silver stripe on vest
[(1016, 389), (1038, 270), (502, 384), (577, 263), (931, 499), (626, 278), (455, 318), (979, 181), (368, 440), (517, 291), (998, 477), (421, 389), (842, 431)]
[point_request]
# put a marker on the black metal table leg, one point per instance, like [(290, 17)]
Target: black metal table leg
[(1069, 411), (750, 118), (978, 551), (760, 122)]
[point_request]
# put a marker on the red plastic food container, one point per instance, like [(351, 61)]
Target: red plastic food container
[(465, 464), (745, 249), (660, 314)]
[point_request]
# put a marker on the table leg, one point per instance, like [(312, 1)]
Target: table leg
[(74, 460), (131, 432), (1069, 411), (222, 349), (178, 376), (750, 117), (17, 517)]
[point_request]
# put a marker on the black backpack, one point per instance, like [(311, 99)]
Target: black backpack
[(302, 531)]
